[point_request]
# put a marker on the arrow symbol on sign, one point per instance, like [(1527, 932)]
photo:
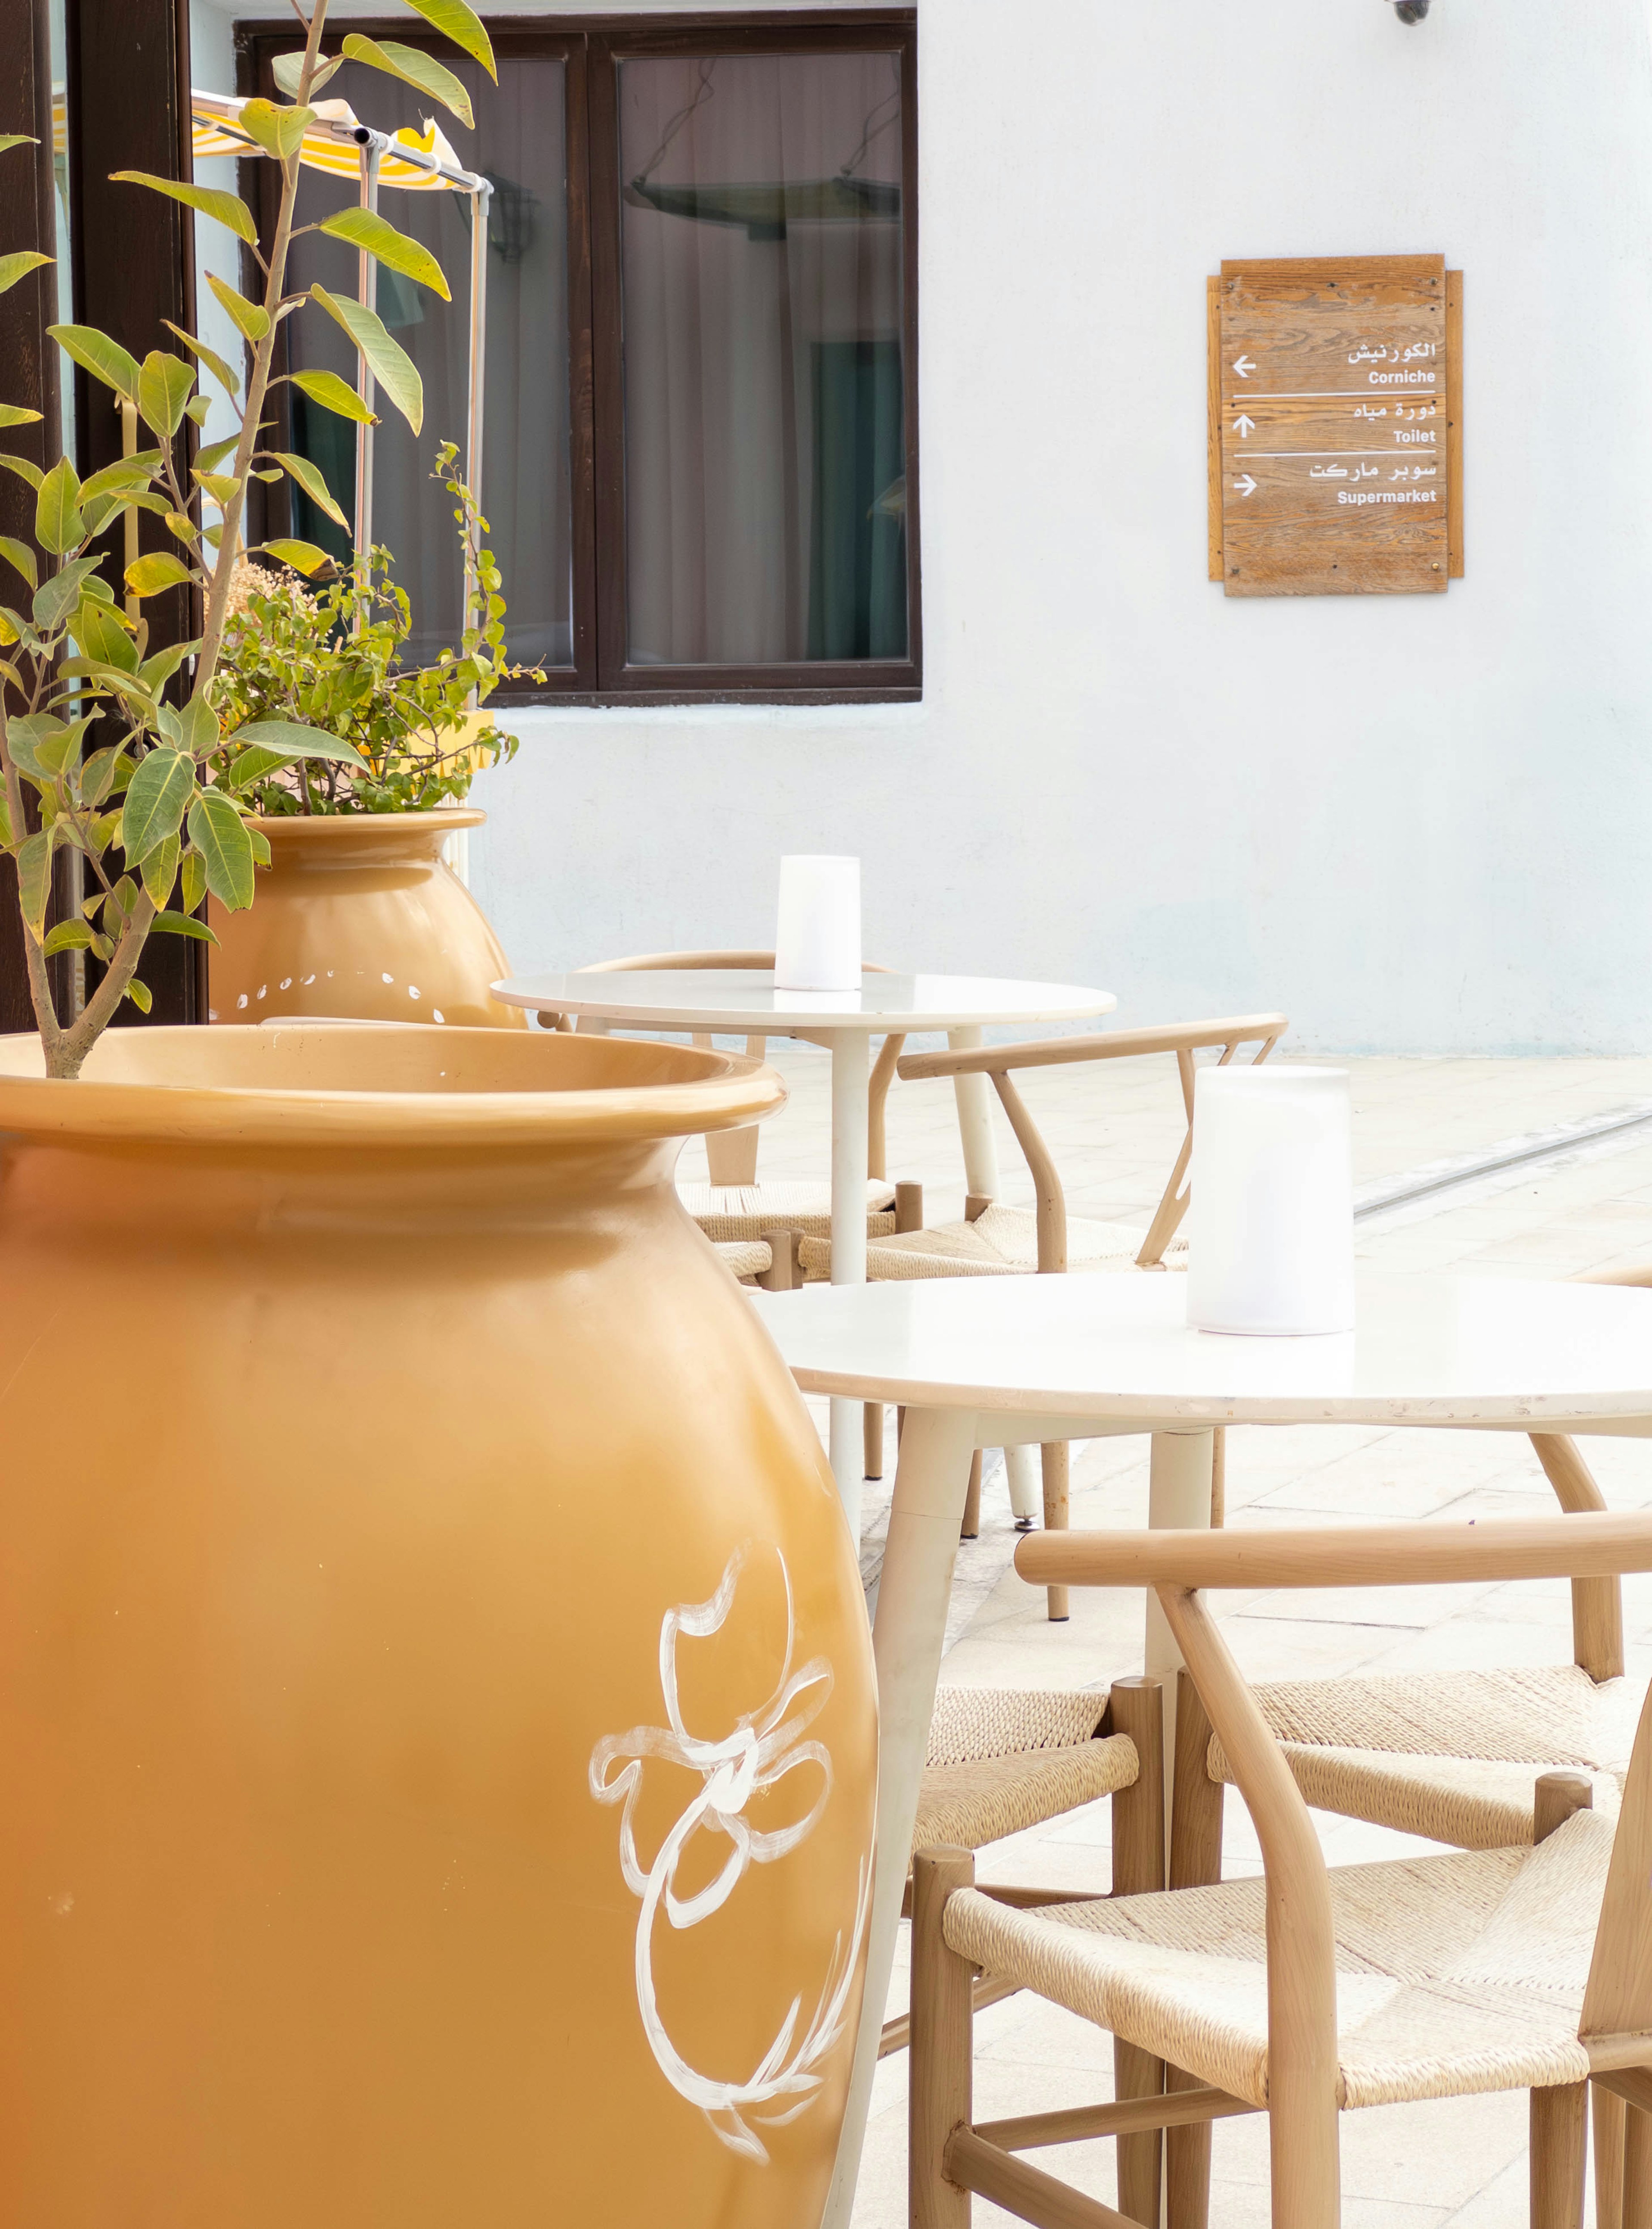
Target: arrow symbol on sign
[(1243, 365), (1243, 427), (1245, 485)]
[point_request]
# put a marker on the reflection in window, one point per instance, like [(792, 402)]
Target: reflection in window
[(765, 385), (525, 494)]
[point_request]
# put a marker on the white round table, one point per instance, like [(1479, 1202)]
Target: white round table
[(986, 1361), (745, 1001)]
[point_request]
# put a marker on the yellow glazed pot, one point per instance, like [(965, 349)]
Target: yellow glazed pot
[(437, 1719), (355, 915)]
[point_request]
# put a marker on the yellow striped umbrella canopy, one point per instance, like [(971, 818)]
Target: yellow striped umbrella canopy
[(216, 130)]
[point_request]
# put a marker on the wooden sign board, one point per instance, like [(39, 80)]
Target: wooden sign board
[(1336, 420)]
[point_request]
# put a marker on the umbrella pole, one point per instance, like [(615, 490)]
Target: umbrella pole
[(365, 291), (481, 209)]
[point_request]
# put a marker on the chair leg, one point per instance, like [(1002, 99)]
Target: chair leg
[(939, 2088), (1136, 1707), (1637, 2168), (1218, 1478), (1609, 2136), (1559, 2120), (1196, 1803), (872, 1426), (970, 1528), (1056, 1473)]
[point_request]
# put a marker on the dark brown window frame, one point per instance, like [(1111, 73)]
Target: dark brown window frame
[(590, 48)]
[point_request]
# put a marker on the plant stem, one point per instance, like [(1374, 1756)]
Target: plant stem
[(65, 1059), (257, 385)]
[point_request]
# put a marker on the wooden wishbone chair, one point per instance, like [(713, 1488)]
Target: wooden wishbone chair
[(1447, 1755), (1521, 1968), (996, 1241), (740, 1216)]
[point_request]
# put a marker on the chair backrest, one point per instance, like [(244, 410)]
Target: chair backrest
[(1616, 2014), (1183, 1039), (731, 1155)]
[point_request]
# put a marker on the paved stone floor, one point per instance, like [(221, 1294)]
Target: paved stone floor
[(1114, 1134)]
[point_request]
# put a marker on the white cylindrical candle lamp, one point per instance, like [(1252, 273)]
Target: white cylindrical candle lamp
[(1270, 1220), (817, 935)]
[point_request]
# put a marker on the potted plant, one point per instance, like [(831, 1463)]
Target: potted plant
[(436, 1710), (357, 913)]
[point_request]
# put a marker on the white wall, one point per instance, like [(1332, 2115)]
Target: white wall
[(1415, 823)]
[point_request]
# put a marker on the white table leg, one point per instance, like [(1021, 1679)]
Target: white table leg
[(975, 1100), (1026, 1487), (1178, 1499), (932, 1478), (847, 1439)]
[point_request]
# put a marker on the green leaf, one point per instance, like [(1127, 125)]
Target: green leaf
[(160, 870), (224, 209), (365, 229), (260, 845), (10, 140), (24, 734), (95, 352), (164, 385), (56, 598), (5, 823), (329, 390), (415, 68), (457, 22), (302, 556), (219, 485), (199, 408), (226, 849), (279, 132), (198, 727), (13, 414), (228, 380), (194, 882), (288, 69), (180, 924), (138, 993), (155, 799), (35, 880), (292, 741), (213, 455), (14, 268), (20, 555), (58, 525), (98, 775), (67, 936), (23, 467), (310, 479), (136, 471), (58, 753), (251, 319), (155, 570), (159, 669), (389, 362)]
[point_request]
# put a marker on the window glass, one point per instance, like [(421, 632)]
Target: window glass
[(519, 144), (765, 389), (61, 210)]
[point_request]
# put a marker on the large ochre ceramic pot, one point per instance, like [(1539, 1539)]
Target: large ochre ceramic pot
[(437, 1719), (357, 915)]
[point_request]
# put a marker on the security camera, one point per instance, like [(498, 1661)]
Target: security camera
[(1411, 11)]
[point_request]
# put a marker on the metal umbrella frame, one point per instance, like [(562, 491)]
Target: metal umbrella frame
[(339, 144)]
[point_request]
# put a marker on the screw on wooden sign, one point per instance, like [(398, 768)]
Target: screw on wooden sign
[(1334, 445)]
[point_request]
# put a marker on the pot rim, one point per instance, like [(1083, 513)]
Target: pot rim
[(730, 1091), (325, 824)]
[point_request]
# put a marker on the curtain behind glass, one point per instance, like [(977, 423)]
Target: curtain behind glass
[(764, 387), (519, 143)]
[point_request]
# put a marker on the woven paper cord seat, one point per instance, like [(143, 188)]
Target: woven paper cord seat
[(728, 1213), (746, 1257), (1456, 1975), (1453, 1756), (1002, 1242), (1003, 1760)]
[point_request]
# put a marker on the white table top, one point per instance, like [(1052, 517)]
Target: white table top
[(1426, 1350), (746, 1000)]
